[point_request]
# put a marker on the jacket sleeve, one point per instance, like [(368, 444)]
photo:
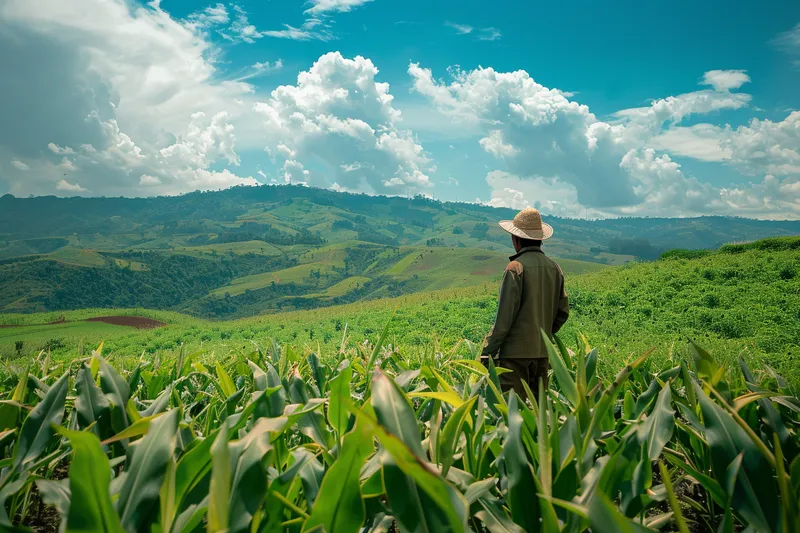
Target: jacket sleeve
[(563, 308), (507, 309)]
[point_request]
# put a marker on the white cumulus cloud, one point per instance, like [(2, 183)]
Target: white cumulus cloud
[(725, 80), (336, 114), (64, 185)]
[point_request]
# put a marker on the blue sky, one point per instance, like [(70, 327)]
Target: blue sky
[(599, 109)]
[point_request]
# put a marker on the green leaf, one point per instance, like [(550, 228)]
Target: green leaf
[(225, 382), (90, 404), (193, 467), (378, 345), (339, 506), (259, 377), (561, 373), (448, 439), (448, 397), (519, 472), (756, 498), (138, 428), (90, 507), (37, 430), (419, 497), (604, 517), (339, 399), (145, 472), (116, 390), (395, 413), (219, 490), (249, 483), (655, 432)]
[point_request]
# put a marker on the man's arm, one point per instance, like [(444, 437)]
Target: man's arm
[(563, 308), (507, 308)]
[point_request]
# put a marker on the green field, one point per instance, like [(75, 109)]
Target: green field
[(735, 301), (238, 248), (379, 415), (78, 257)]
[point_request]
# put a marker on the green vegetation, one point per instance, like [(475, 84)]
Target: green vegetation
[(198, 253), (375, 437), (741, 300)]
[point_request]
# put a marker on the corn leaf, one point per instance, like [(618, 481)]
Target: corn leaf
[(90, 508), (37, 430), (146, 469), (340, 507)]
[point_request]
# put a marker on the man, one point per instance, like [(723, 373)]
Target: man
[(532, 300)]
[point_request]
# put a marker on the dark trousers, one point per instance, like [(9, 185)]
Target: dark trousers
[(528, 370)]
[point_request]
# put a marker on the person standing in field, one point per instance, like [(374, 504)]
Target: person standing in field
[(532, 300)]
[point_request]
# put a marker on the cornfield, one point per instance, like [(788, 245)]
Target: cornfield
[(370, 440)]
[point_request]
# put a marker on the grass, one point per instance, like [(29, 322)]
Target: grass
[(78, 257), (341, 288), (239, 248), (746, 303)]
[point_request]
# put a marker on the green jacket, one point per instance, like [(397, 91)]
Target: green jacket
[(532, 298)]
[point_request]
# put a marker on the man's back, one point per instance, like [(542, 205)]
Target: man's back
[(532, 299)]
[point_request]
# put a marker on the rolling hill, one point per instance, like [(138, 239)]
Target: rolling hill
[(253, 250), (740, 300)]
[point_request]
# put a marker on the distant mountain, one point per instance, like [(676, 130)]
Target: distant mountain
[(248, 250)]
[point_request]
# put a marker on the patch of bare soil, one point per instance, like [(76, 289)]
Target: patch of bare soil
[(138, 322)]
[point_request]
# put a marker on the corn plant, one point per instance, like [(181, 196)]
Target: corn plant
[(367, 440)]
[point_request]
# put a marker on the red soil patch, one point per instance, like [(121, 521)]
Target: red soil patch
[(138, 322)]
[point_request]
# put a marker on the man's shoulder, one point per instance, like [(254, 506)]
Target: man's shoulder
[(540, 261), (515, 266)]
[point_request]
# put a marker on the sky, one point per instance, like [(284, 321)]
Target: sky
[(601, 109)]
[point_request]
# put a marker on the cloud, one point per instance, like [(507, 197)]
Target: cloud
[(319, 7), (789, 42), (137, 80), (240, 30), (67, 165), (559, 154), (16, 163), (64, 185), (306, 32), (147, 180), (649, 120), (338, 114), (700, 141), (765, 147), (268, 67), (461, 29), (725, 80), (210, 16), (482, 34), (489, 34), (494, 144)]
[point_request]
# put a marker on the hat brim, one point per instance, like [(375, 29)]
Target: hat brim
[(534, 234)]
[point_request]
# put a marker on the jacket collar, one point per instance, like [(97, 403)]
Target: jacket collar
[(525, 250)]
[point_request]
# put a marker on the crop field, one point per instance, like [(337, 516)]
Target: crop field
[(370, 438), (734, 302), (380, 415)]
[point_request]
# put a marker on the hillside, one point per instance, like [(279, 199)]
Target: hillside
[(742, 299), (253, 250)]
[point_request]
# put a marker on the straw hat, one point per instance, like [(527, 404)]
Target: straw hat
[(528, 225)]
